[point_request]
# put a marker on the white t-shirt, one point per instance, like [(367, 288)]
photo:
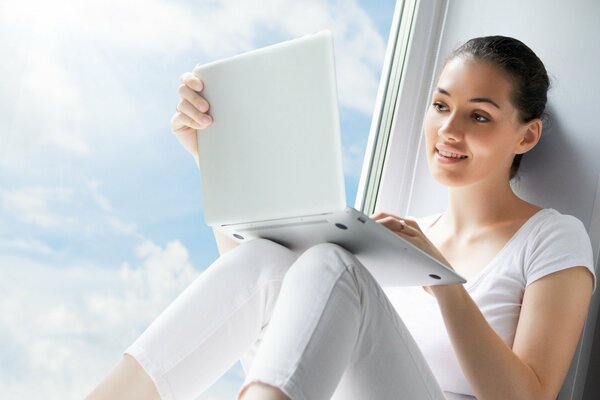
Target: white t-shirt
[(546, 243)]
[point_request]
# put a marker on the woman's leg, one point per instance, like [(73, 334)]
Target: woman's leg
[(334, 333), (127, 380), (205, 330)]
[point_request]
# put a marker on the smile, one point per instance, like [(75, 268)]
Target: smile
[(448, 154)]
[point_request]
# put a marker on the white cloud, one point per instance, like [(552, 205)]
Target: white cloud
[(98, 197), (59, 319), (69, 325), (121, 226), (64, 84), (67, 93), (118, 225), (26, 245), (30, 204), (52, 95), (47, 102), (353, 158), (62, 208), (358, 46)]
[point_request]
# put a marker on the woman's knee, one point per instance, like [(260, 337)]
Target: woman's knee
[(330, 253), (323, 259), (260, 258)]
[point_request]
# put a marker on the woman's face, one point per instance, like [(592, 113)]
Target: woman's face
[(472, 129)]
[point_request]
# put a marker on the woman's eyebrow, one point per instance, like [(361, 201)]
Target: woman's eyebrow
[(473, 100)]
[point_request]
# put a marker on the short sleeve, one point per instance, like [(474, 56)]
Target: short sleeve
[(561, 242)]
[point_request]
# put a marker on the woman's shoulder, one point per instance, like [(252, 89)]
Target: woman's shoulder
[(550, 220), (551, 231), (556, 241)]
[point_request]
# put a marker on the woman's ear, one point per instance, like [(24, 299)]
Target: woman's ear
[(532, 132)]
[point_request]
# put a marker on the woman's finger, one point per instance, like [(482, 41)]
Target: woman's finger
[(382, 214), (411, 222), (410, 230), (192, 81), (183, 128), (400, 226), (185, 107), (182, 123), (392, 223), (397, 224), (199, 102)]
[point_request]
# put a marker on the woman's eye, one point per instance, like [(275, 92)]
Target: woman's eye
[(480, 118), (439, 107)]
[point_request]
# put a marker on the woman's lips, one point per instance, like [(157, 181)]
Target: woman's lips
[(448, 157)]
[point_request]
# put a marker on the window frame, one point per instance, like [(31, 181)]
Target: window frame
[(405, 85)]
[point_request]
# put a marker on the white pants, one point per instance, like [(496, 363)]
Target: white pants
[(316, 326)]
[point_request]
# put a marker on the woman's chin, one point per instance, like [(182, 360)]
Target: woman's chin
[(449, 182), (447, 178)]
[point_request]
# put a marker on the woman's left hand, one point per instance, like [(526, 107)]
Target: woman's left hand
[(409, 230)]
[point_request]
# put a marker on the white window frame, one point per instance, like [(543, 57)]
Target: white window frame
[(402, 99)]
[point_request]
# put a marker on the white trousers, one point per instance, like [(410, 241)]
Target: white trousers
[(316, 326)]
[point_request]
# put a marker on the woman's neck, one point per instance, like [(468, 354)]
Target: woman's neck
[(473, 207)]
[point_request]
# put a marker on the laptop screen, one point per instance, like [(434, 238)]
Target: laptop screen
[(274, 148)]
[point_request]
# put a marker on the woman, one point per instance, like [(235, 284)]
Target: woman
[(319, 326)]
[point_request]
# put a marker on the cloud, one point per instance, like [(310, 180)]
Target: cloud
[(353, 158), (82, 86), (27, 245), (99, 198), (30, 204), (63, 209), (119, 226), (68, 80), (46, 103), (67, 326), (359, 48), (54, 97), (122, 227)]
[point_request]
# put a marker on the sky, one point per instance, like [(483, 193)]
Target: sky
[(101, 222)]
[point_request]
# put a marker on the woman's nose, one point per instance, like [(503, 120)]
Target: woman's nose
[(451, 128)]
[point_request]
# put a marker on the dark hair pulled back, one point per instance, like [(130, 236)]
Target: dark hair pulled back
[(529, 77)]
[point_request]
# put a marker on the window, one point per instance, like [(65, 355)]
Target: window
[(386, 182), (100, 208)]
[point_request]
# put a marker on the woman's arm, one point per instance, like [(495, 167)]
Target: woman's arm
[(552, 317), (191, 115)]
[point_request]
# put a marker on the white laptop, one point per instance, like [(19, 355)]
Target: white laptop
[(271, 163)]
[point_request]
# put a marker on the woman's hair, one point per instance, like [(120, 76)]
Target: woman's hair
[(529, 77)]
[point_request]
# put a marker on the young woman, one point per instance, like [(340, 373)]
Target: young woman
[(319, 326)]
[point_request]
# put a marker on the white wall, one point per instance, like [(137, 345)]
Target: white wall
[(562, 172)]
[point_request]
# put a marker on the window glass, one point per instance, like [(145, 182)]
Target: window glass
[(101, 223)]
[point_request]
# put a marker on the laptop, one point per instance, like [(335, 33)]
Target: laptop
[(271, 163)]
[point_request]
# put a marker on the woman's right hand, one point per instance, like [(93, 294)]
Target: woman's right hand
[(191, 113)]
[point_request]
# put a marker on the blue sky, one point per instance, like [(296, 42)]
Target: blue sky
[(101, 221)]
